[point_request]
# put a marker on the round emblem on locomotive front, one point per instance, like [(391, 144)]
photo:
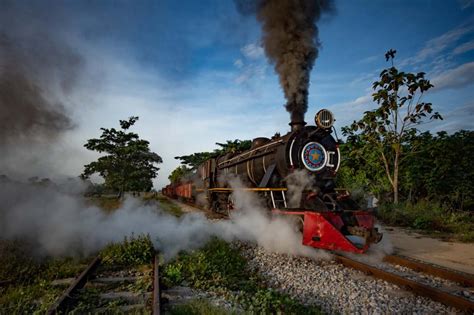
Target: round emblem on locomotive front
[(314, 156)]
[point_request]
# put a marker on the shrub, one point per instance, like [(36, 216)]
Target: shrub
[(198, 307), (215, 265), (431, 217), (133, 251), (30, 290)]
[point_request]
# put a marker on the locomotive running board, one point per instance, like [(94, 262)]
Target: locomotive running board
[(322, 230)]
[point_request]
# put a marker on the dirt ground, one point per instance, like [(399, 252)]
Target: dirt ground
[(454, 255)]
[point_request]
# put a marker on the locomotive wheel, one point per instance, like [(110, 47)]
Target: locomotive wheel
[(221, 203), (230, 205)]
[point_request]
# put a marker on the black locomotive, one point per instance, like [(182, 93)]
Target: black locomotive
[(329, 218)]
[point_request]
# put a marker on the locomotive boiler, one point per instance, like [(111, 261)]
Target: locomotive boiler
[(327, 216)]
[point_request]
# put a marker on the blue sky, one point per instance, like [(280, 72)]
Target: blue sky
[(195, 73)]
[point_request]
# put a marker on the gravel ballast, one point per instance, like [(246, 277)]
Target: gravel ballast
[(335, 288)]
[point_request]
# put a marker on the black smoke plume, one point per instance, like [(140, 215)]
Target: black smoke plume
[(36, 64), (290, 41)]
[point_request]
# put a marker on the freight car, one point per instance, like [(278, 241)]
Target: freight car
[(328, 217)]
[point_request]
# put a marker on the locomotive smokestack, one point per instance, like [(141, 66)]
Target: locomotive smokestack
[(290, 40), (297, 125)]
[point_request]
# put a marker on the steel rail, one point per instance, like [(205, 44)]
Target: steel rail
[(418, 288), (465, 279), (157, 305), (66, 298)]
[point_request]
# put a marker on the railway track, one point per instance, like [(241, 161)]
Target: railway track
[(414, 278), (410, 273), (99, 287)]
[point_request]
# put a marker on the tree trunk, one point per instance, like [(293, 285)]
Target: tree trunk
[(395, 177)]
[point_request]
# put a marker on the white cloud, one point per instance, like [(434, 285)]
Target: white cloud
[(254, 66), (455, 119), (361, 100), (249, 72), (346, 112), (252, 51), (464, 48), (238, 63), (437, 45), (177, 118), (456, 78), (370, 59)]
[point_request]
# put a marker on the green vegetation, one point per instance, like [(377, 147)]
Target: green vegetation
[(106, 204), (193, 161), (436, 190), (384, 130), (169, 206), (129, 163), (432, 217), (429, 176), (220, 268), (30, 290), (179, 173), (133, 256), (436, 170), (198, 307), (133, 251)]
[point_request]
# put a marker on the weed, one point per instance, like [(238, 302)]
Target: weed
[(169, 206), (430, 217), (28, 299), (215, 265), (17, 263), (133, 251), (30, 290), (221, 268), (105, 203), (198, 307), (144, 283)]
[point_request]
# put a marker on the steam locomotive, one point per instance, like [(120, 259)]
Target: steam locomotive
[(328, 217)]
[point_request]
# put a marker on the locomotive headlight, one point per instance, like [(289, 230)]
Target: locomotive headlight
[(324, 119)]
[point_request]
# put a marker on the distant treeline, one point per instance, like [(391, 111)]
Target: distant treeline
[(438, 168)]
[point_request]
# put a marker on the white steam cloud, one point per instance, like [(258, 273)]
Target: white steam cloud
[(61, 223), (252, 222), (297, 182)]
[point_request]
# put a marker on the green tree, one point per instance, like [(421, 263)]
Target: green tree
[(231, 146), (194, 160), (387, 128), (442, 169), (179, 173), (128, 165)]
